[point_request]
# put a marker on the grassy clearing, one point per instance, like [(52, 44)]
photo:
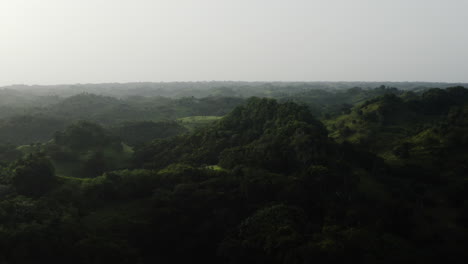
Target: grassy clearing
[(127, 149), (72, 179), (192, 122), (214, 167)]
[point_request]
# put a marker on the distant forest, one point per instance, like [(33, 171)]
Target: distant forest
[(234, 172)]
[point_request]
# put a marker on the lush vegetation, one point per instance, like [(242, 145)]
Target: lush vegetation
[(301, 173)]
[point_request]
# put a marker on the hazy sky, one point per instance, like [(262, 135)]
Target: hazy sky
[(92, 41)]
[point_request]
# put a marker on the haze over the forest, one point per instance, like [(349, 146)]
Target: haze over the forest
[(95, 41)]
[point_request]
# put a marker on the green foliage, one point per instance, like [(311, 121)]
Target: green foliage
[(84, 135), (271, 234), (262, 128), (33, 176), (193, 122), (123, 184), (85, 149), (26, 129), (265, 183), (9, 153), (95, 165)]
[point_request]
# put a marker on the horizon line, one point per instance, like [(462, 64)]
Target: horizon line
[(222, 81)]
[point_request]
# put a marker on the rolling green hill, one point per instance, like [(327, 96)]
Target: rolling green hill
[(354, 175)]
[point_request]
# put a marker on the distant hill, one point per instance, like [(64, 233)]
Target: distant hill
[(210, 88)]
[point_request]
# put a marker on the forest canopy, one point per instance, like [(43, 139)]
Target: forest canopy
[(234, 173)]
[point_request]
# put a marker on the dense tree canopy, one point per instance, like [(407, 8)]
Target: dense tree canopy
[(331, 176), (34, 175)]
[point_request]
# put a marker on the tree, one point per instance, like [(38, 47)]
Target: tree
[(95, 165), (34, 175), (270, 235)]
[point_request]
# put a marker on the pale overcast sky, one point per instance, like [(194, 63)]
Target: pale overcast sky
[(94, 41)]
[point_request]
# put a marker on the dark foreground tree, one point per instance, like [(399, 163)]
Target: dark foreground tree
[(34, 175)]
